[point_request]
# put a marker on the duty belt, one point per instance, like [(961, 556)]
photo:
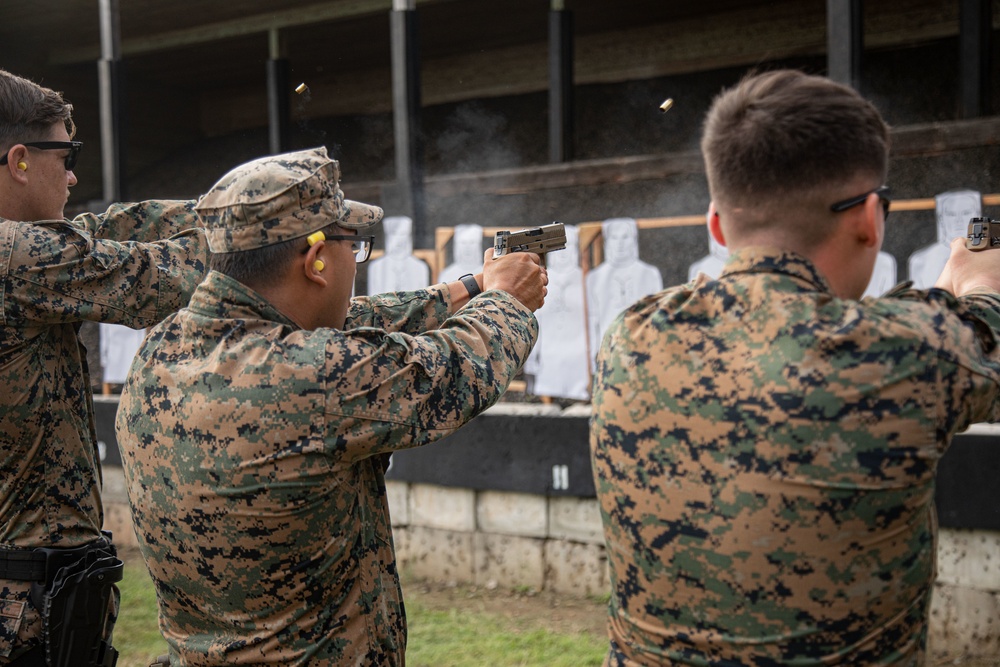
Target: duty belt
[(22, 565), (42, 564)]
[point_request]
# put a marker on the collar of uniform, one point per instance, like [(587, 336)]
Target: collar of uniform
[(221, 297), (759, 259)]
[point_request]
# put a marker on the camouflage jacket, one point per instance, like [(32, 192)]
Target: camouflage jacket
[(254, 451), (764, 454), (53, 276)]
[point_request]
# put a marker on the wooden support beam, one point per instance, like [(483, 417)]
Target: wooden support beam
[(590, 233)]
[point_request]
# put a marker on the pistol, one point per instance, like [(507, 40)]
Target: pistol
[(538, 240), (983, 233)]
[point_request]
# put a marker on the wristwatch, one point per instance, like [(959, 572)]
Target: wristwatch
[(470, 283)]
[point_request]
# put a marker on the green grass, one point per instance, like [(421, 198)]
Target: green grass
[(450, 638), (136, 636), (455, 638)]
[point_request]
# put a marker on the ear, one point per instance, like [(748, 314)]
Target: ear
[(17, 154), (869, 226), (312, 272), (714, 226)]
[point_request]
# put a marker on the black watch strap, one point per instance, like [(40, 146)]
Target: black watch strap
[(470, 283)]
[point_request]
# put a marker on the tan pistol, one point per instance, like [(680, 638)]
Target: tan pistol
[(983, 233), (538, 240)]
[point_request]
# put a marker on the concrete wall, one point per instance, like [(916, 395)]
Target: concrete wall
[(965, 610), (499, 538)]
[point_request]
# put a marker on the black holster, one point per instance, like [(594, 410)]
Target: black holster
[(73, 602)]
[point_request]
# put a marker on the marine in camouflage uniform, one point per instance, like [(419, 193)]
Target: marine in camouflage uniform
[(54, 275), (765, 445), (254, 446)]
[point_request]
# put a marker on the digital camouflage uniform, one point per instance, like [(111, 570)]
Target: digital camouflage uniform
[(254, 454), (764, 456), (53, 276)]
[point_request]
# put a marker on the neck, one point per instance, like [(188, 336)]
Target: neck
[(840, 262), (10, 206), (290, 303)]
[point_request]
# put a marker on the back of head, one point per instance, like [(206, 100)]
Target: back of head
[(780, 144), (28, 111)]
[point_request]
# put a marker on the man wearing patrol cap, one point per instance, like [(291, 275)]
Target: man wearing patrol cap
[(256, 423)]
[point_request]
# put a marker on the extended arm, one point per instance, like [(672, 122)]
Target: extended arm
[(389, 391), (57, 272)]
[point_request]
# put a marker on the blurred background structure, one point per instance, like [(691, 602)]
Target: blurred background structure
[(502, 113)]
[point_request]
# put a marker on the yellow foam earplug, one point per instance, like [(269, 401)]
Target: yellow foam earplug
[(314, 237), (23, 166), (318, 264)]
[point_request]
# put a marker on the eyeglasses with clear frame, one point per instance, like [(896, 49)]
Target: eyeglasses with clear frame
[(361, 246), (883, 195), (72, 146)]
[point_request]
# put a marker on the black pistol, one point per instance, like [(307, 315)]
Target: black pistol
[(538, 240), (983, 233)]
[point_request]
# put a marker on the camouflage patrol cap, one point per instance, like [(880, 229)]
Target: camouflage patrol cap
[(277, 198)]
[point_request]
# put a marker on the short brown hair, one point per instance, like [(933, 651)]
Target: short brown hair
[(784, 133), (28, 111)]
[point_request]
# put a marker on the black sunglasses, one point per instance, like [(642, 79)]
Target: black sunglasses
[(361, 246), (883, 195), (72, 146)]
